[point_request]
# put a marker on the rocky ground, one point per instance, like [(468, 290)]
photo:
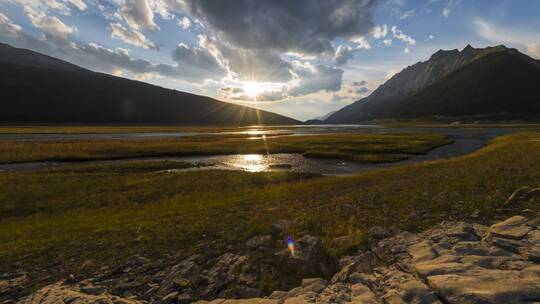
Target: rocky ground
[(453, 262)]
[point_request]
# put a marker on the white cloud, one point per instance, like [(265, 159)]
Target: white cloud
[(431, 37), (387, 42), (52, 27), (380, 31), (79, 4), (398, 34), (185, 23), (528, 40), (7, 27), (137, 14), (446, 12), (407, 14), (407, 50), (343, 54), (63, 7), (133, 37), (361, 42)]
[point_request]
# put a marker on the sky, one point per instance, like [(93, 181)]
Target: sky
[(301, 58)]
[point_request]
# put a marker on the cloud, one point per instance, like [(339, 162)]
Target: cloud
[(264, 65), (398, 34), (527, 40), (300, 26), (431, 37), (63, 7), (137, 14), (185, 23), (133, 37), (533, 49), (387, 42), (361, 42), (7, 27), (308, 79), (343, 54), (380, 31), (315, 78), (197, 63), (407, 14), (53, 28), (446, 12), (359, 83)]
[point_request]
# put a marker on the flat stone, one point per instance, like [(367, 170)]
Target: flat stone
[(486, 286), (422, 251), (513, 228), (243, 301), (441, 265), (362, 294), (60, 293)]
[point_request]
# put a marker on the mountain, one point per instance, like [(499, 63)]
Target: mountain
[(36, 88), (325, 116), (493, 82)]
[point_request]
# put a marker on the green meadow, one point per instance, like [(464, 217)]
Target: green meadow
[(78, 218), (361, 147)]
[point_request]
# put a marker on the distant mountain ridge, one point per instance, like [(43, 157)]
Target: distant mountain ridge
[(36, 88), (431, 88)]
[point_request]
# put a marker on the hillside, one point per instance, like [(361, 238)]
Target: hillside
[(41, 89), (491, 82)]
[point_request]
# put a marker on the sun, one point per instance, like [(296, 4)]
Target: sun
[(253, 89)]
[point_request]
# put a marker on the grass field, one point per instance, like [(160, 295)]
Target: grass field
[(79, 218), (360, 147)]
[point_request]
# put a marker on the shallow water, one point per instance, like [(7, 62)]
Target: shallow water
[(465, 141)]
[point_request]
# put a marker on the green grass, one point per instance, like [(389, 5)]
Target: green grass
[(361, 147), (77, 219)]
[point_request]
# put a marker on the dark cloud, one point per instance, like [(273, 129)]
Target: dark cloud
[(196, 62), (317, 78), (359, 83), (303, 26)]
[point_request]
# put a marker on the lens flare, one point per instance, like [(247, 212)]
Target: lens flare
[(290, 245)]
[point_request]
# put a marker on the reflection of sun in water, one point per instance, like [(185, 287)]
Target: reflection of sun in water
[(253, 88), (251, 163)]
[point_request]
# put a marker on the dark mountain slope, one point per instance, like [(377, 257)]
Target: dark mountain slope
[(498, 84), (32, 93), (389, 100), (12, 55)]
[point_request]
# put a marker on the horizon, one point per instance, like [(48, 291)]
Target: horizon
[(196, 47)]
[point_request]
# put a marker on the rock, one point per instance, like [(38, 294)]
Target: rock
[(246, 301), (187, 270), (422, 251), (534, 192), (512, 228), (520, 194), (72, 293), (170, 298), (316, 285), (184, 298), (486, 286), (12, 284), (309, 259), (362, 264), (362, 294)]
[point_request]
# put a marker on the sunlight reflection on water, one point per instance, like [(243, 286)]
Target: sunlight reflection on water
[(249, 162)]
